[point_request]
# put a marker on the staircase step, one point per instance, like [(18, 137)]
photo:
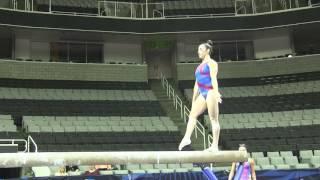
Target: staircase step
[(167, 105)]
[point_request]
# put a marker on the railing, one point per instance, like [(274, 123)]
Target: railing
[(130, 9), (104, 8), (183, 109), (210, 139), (26, 143), (246, 7), (30, 139), (157, 10), (13, 141)]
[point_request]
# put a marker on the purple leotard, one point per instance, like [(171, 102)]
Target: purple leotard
[(245, 173)]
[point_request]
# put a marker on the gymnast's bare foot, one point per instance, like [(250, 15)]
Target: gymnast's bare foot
[(183, 143)]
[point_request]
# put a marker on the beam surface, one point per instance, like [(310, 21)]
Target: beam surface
[(124, 157)]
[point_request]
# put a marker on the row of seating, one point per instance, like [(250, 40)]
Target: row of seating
[(128, 169), (98, 124), (285, 163), (274, 124), (268, 119), (286, 159), (270, 103), (96, 120), (161, 168), (76, 94), (293, 144), (77, 85), (99, 128), (80, 108), (265, 90), (107, 147), (270, 133), (7, 124), (273, 139), (48, 119), (106, 138), (300, 114), (258, 81)]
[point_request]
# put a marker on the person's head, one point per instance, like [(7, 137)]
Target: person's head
[(205, 49), (92, 168), (62, 170), (242, 147)]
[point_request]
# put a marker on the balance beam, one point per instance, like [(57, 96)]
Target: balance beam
[(133, 157)]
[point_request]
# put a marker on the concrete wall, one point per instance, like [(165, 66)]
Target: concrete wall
[(23, 48), (269, 67), (40, 50), (273, 46), (70, 71), (122, 52)]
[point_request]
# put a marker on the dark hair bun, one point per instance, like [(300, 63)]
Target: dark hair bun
[(210, 42)]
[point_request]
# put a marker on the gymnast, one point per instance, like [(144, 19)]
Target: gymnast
[(205, 96), (242, 170)]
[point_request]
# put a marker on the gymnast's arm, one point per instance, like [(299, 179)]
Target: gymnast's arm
[(253, 172), (213, 74), (231, 174)]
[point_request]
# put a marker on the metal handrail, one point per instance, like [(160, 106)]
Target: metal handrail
[(210, 139), (73, 13), (29, 4), (179, 103), (17, 140), (30, 139), (131, 6), (202, 130), (184, 111)]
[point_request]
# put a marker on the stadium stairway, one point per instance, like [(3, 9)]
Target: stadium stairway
[(167, 106)]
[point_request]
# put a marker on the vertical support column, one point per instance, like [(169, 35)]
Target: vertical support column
[(147, 16), (50, 4)]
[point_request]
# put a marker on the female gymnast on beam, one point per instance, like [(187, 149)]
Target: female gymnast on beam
[(205, 96)]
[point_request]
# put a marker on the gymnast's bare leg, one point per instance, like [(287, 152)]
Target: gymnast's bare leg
[(213, 99), (197, 108)]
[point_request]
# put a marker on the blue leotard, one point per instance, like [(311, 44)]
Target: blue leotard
[(203, 79)]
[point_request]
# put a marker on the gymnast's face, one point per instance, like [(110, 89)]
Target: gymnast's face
[(203, 51), (242, 148)]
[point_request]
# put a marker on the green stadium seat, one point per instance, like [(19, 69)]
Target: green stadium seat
[(315, 161), (135, 169), (256, 155), (273, 154), (267, 167), (276, 160), (291, 160), (305, 156), (316, 152), (302, 166), (46, 129), (286, 153), (262, 161)]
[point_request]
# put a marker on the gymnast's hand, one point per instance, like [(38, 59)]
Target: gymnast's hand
[(217, 96)]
